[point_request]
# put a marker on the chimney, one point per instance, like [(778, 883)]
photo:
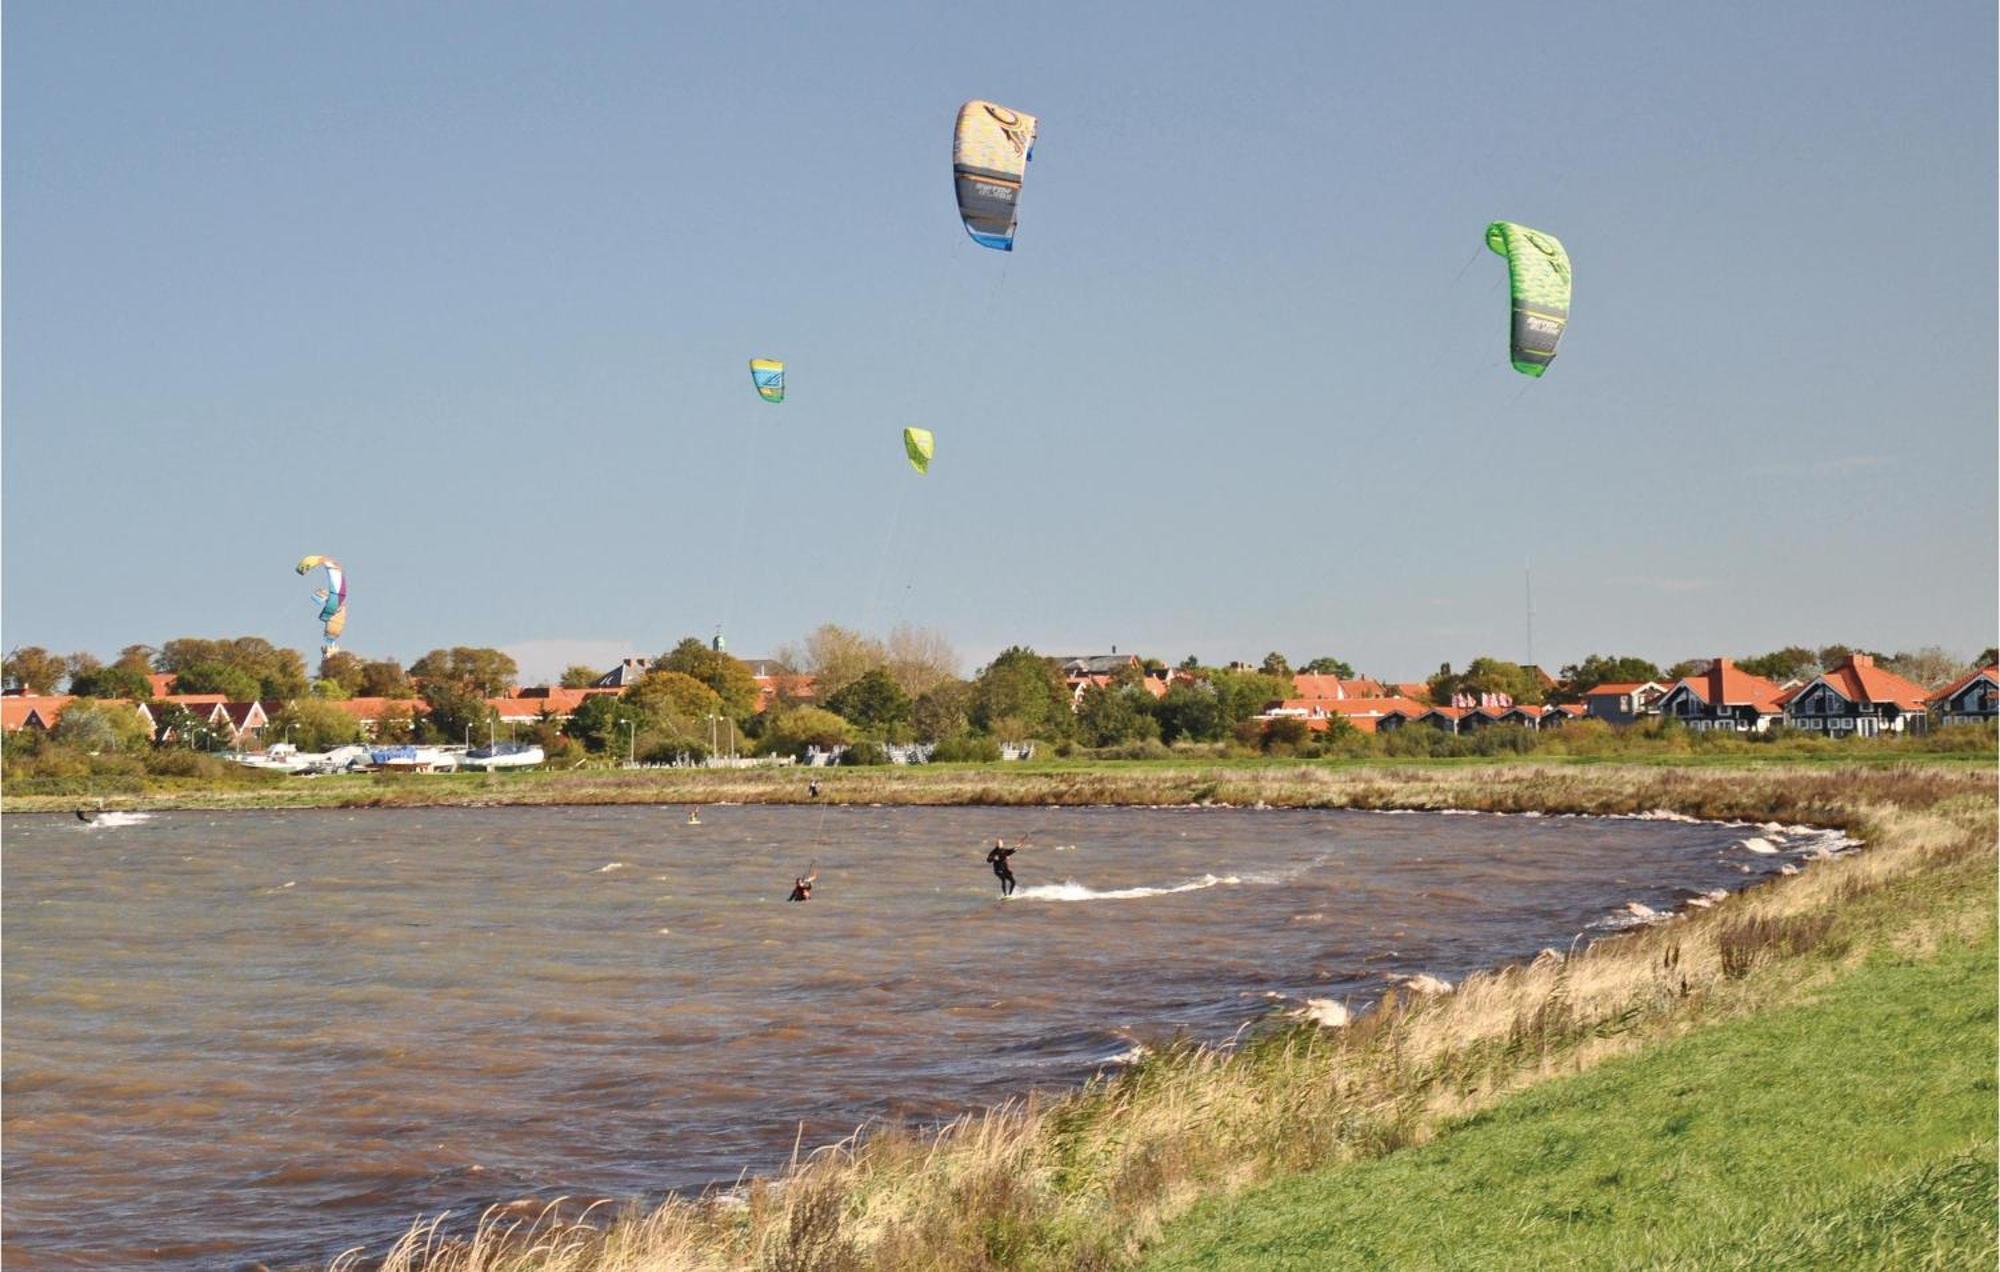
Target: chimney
[(1861, 660)]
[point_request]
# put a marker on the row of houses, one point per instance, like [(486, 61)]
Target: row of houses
[(242, 724), (1855, 699)]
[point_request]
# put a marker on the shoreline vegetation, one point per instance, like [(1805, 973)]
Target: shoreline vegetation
[(1219, 779), (1097, 1178)]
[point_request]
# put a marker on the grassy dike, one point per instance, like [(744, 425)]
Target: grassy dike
[(1803, 1074)]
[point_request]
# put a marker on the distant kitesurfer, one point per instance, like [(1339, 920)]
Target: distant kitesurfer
[(812, 788), (997, 857), (85, 816), (802, 887), (694, 815)]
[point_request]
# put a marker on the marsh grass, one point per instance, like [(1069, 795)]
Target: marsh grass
[(1087, 1180)]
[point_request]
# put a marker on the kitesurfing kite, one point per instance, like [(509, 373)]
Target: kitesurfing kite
[(918, 446), (990, 150), (1538, 269), (768, 375), (332, 598)]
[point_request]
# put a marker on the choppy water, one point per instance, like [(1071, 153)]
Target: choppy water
[(236, 1036)]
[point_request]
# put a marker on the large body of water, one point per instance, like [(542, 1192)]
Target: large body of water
[(238, 1036)]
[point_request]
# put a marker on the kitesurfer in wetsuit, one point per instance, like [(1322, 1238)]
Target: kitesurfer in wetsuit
[(802, 887), (812, 789), (85, 816), (997, 857)]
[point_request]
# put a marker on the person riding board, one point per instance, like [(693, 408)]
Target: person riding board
[(997, 858), (802, 887), (694, 815), (812, 788)]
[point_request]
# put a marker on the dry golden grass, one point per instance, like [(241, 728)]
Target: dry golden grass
[(1087, 1180)]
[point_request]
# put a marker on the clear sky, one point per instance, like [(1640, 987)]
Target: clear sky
[(463, 295)]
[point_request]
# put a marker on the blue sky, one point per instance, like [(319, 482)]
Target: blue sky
[(463, 295)]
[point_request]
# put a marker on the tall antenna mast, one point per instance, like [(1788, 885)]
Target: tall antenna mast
[(1529, 571)]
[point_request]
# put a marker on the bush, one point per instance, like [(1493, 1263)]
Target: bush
[(966, 749), (863, 753), (677, 750)]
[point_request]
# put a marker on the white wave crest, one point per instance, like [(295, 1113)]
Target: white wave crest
[(113, 821), (1071, 890), (610, 866)]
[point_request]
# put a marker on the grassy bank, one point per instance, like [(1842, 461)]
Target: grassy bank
[(1282, 783), (1855, 1127), (1093, 1179)]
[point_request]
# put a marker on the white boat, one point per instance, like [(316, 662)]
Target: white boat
[(505, 755), (415, 759)]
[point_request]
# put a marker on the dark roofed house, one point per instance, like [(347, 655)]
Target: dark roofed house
[(1973, 698), (1858, 699), (1098, 664), (1624, 702), (1723, 697), (627, 673)]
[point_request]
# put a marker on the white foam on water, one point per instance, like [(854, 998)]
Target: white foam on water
[(1071, 890), (1324, 1012), (1757, 845), (609, 867), (115, 821)]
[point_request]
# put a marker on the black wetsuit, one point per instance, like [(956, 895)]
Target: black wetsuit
[(999, 857), (85, 817), (801, 891)]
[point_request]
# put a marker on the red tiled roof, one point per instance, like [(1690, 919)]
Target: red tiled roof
[(1957, 686), (1311, 685), (193, 699), (1622, 687), (367, 709), (15, 709), (162, 682), (1858, 679), (1727, 685), (1414, 690)]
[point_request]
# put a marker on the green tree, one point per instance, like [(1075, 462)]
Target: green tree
[(35, 669), (673, 704), (874, 702), (1329, 667), (99, 727), (791, 732), (331, 690), (385, 678), (1489, 675), (397, 724), (1580, 678), (1988, 656), (343, 669), (1111, 715), (488, 672), (138, 658), (280, 673), (237, 684), (1274, 664), (458, 711), (312, 724), (1190, 712), (606, 723), (1686, 667), (944, 712), (110, 682), (1021, 690), (728, 677), (1243, 694), (578, 676)]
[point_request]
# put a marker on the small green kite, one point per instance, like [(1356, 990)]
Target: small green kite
[(1538, 269)]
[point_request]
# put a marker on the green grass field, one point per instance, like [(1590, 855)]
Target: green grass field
[(1854, 1130)]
